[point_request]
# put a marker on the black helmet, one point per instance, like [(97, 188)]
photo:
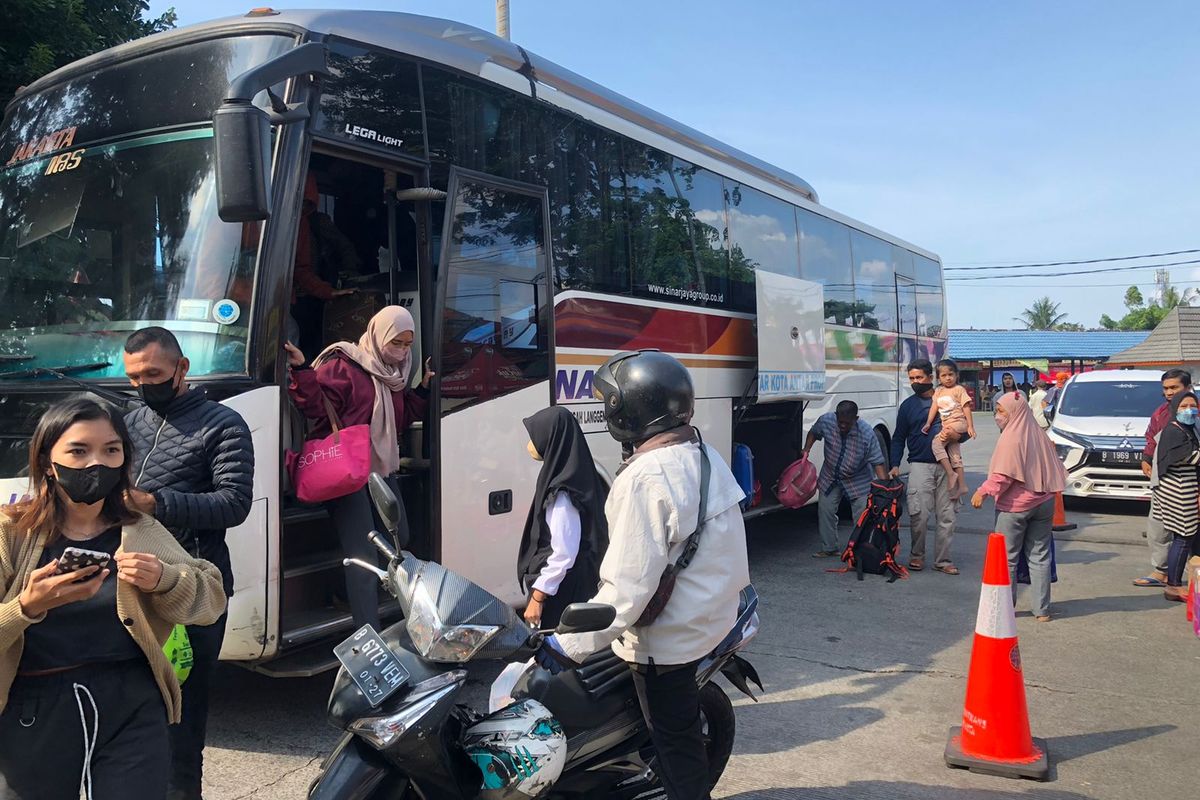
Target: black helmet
[(645, 393)]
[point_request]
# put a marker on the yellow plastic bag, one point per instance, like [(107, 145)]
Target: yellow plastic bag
[(178, 651)]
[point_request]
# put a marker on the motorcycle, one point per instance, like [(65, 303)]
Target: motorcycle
[(575, 735)]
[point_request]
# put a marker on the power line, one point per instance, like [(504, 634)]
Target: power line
[(1071, 263), (1072, 272), (1073, 285)]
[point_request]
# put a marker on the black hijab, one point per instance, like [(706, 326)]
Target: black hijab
[(1177, 441), (567, 466)]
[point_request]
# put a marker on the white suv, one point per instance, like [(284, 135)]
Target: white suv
[(1099, 431)]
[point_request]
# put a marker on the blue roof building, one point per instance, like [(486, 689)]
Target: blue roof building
[(1010, 345)]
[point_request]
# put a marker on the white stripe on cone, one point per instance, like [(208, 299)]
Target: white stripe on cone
[(996, 619)]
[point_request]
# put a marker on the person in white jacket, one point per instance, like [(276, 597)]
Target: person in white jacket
[(652, 510)]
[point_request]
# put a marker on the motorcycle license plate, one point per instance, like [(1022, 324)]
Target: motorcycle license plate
[(1122, 457), (372, 666)]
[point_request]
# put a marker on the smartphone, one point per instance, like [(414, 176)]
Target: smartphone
[(74, 559)]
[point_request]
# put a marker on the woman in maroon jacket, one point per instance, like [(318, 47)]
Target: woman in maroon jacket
[(366, 383)]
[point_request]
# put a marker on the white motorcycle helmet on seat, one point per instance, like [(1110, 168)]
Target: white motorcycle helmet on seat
[(520, 750)]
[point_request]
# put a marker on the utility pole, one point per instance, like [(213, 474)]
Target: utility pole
[(502, 19)]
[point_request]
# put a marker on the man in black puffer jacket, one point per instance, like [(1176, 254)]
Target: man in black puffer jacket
[(193, 470)]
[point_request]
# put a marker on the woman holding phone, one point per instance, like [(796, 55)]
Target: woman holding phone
[(89, 593)]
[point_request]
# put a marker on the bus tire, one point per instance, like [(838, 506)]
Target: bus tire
[(885, 446)]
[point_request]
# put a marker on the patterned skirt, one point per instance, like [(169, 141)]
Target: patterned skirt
[(1177, 500)]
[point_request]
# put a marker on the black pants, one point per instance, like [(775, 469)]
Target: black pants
[(42, 736), (187, 738), (354, 517), (670, 701)]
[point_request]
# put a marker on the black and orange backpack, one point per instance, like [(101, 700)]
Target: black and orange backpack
[(874, 545)]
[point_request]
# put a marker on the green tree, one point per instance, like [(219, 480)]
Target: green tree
[(41, 35), (1140, 316), (1043, 315)]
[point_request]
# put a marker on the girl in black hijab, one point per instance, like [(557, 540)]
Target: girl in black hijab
[(1177, 493), (566, 533)]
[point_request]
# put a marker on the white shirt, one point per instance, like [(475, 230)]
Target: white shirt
[(563, 520), (1036, 398), (651, 511)]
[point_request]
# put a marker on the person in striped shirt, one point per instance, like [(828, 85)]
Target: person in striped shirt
[(852, 456)]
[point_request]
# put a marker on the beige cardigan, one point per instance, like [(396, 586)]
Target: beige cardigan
[(189, 593)]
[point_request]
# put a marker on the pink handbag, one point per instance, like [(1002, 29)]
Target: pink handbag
[(332, 467), (798, 483)]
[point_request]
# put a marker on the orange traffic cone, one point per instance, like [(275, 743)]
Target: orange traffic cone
[(1060, 516), (994, 737)]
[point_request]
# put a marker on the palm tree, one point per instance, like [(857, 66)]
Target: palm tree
[(1043, 315)]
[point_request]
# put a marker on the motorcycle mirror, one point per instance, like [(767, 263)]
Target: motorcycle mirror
[(389, 509), (586, 618)]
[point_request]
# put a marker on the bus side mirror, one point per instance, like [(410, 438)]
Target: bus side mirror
[(242, 134), (243, 131)]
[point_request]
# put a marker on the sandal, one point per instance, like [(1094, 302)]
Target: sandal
[(1150, 582), (916, 564), (947, 568), (1176, 596), (1042, 618)]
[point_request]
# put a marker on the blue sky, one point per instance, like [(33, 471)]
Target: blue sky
[(988, 133)]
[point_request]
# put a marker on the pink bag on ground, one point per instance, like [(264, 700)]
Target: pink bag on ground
[(332, 467), (1193, 598), (797, 484)]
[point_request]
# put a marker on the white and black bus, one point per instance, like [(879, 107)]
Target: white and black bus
[(533, 221)]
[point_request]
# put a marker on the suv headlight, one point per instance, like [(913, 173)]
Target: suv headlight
[(437, 641), (1069, 447), (383, 732)]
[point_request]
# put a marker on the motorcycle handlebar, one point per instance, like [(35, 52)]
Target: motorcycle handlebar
[(382, 545)]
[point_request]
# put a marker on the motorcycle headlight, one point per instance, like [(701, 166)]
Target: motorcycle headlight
[(438, 641), (382, 732)]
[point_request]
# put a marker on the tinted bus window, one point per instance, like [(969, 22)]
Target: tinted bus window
[(130, 96), (931, 314), (762, 231), (581, 167), (662, 225), (825, 258), (372, 99), (874, 283), (902, 262), (494, 332)]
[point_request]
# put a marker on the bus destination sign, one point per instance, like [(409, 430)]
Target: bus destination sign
[(47, 144)]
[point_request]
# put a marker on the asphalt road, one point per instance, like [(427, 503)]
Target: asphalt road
[(863, 680)]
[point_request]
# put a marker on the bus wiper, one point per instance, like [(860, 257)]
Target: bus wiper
[(61, 373)]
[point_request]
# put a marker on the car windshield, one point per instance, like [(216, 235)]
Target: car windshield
[(102, 240), (1111, 399)]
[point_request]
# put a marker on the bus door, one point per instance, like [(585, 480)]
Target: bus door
[(908, 346), (493, 342)]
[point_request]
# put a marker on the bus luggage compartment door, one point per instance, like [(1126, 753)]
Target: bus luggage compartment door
[(791, 338)]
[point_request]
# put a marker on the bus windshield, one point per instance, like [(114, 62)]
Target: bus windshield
[(97, 242)]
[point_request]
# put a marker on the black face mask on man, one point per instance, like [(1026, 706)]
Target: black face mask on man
[(922, 389), (159, 395), (90, 484)]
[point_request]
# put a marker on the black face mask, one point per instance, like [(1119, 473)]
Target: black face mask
[(922, 389), (159, 395), (90, 484)]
